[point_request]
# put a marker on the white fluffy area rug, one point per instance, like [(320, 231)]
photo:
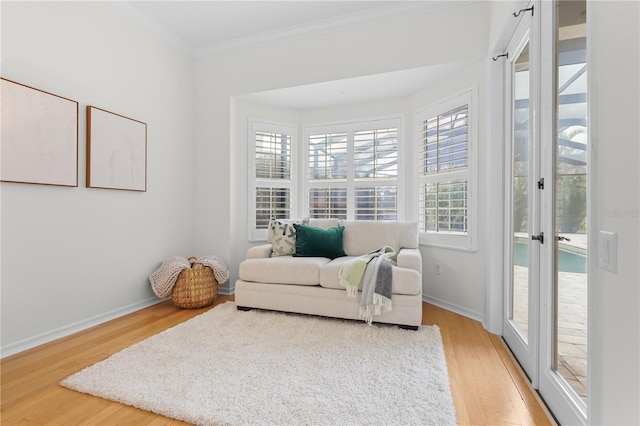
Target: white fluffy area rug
[(267, 368)]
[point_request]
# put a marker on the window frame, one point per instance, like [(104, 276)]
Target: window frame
[(466, 242), (351, 183), (257, 125)]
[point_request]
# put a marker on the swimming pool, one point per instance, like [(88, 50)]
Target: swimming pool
[(567, 262)]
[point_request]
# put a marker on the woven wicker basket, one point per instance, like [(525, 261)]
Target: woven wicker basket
[(196, 287)]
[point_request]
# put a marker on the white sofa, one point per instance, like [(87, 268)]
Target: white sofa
[(310, 285)]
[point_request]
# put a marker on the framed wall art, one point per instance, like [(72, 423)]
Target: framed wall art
[(116, 151), (39, 133)]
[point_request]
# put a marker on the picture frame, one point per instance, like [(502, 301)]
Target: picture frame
[(39, 133), (116, 151)]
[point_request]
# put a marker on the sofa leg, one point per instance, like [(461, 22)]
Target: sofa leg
[(409, 327), (244, 308)]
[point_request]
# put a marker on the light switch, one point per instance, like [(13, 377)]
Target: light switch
[(608, 251)]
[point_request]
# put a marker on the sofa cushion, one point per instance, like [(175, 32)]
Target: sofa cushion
[(329, 272), (363, 236), (283, 270), (312, 241), (405, 281)]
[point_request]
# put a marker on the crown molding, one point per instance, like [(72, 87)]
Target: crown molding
[(399, 10), (387, 12), (152, 26)]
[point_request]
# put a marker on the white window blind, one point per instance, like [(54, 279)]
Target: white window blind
[(376, 154), (273, 155), (376, 203), (271, 191), (446, 165), (445, 207), (328, 157), (271, 202), (444, 141), (353, 173), (328, 202)]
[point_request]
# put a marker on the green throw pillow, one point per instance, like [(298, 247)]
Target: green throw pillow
[(318, 242)]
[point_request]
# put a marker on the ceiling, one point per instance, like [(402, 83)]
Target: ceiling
[(208, 28), (369, 88)]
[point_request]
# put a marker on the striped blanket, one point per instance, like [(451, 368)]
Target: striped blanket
[(372, 272)]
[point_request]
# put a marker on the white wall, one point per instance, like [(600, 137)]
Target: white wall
[(71, 255), (616, 297), (460, 286)]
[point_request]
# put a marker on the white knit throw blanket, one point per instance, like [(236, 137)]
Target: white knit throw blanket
[(164, 278)]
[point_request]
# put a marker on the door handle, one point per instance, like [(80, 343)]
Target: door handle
[(539, 237)]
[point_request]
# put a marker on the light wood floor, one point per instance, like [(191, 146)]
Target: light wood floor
[(487, 385)]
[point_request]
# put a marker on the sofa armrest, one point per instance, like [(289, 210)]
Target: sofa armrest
[(258, 252), (410, 258)]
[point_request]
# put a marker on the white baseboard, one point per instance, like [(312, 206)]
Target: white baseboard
[(227, 290), (476, 316), (49, 336)]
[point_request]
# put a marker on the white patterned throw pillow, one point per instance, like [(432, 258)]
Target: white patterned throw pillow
[(282, 236)]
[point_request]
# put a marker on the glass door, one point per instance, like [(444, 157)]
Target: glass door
[(520, 327), (563, 383), (546, 188)]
